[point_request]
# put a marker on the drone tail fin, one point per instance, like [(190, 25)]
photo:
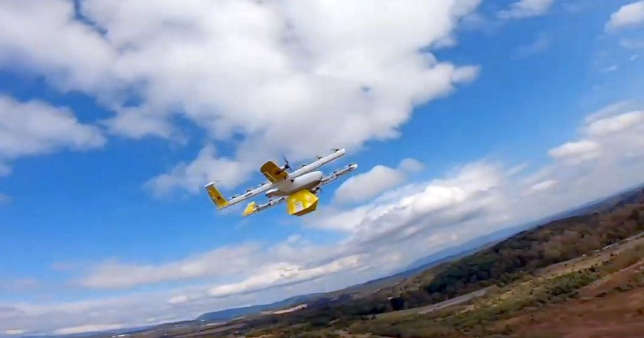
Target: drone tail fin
[(216, 196), (273, 172)]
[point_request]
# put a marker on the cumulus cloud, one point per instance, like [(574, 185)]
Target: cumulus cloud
[(205, 168), (46, 38), (411, 165), (526, 8), (34, 127), (603, 134), (610, 110), (543, 186), (87, 328), (435, 202), (220, 262), (359, 188), (263, 71), (465, 74), (279, 274), (14, 332), (629, 15), (576, 151), (615, 124)]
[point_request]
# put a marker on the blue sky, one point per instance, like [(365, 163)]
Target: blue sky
[(470, 116)]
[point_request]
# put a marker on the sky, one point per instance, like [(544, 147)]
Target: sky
[(465, 117)]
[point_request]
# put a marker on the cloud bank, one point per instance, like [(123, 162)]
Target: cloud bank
[(281, 76)]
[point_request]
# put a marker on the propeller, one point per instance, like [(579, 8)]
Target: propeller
[(286, 164)]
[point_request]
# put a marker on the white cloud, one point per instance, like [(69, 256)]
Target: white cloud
[(543, 186), (80, 316), (45, 38), (14, 332), (603, 134), (365, 186), (137, 123), (611, 110), (484, 189), (615, 124), (436, 200), (577, 151), (526, 8), (465, 74), (411, 165), (610, 69), (220, 262), (629, 15), (206, 167), (263, 71), (359, 188), (31, 128), (4, 198), (178, 299), (88, 328), (281, 274)]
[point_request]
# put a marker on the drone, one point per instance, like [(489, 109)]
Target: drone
[(299, 188)]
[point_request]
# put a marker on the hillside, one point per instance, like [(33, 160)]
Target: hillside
[(546, 267)]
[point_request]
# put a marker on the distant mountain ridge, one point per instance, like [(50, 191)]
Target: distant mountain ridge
[(228, 314)]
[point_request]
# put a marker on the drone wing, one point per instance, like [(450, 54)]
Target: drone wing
[(337, 173), (322, 160), (221, 202)]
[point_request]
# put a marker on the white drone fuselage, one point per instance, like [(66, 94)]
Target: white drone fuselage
[(290, 185)]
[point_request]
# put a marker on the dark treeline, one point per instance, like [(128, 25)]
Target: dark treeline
[(516, 256), (548, 244)]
